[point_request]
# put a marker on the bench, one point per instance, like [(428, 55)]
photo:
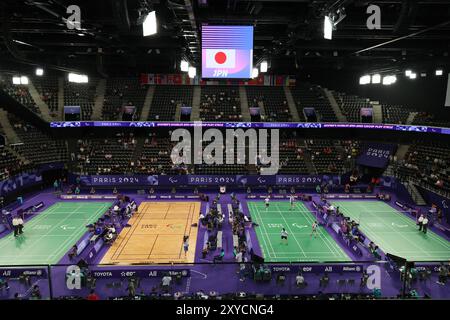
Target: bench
[(230, 213), (219, 240), (235, 241), (205, 241), (94, 238)]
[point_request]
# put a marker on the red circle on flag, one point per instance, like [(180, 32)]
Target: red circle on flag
[(220, 57)]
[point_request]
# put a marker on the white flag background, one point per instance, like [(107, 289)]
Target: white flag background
[(230, 58)]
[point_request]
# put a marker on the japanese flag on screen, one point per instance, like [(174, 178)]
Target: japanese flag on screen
[(221, 58)]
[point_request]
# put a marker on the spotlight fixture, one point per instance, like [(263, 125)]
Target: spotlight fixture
[(78, 78), (376, 78), (184, 66), (364, 79), (263, 67), (149, 26), (255, 73), (389, 79), (328, 28), (192, 72)]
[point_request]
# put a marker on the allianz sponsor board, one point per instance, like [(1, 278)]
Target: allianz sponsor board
[(17, 272)]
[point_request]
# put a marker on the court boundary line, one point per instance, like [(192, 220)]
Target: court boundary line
[(145, 214), (373, 235), (264, 233), (332, 248), (74, 236)]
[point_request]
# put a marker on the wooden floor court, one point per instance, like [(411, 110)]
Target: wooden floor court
[(156, 235)]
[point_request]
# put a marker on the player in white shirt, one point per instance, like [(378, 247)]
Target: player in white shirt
[(425, 224), (266, 201), (315, 226), (291, 201), (420, 222), (284, 236)]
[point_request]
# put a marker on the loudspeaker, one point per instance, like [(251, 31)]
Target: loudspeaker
[(398, 260), (257, 259)]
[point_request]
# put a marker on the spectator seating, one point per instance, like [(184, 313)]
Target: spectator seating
[(394, 114), (47, 87), (274, 99), (220, 103), (351, 105), (155, 156), (19, 93), (38, 147), (428, 162), (330, 157), (424, 118), (166, 99), (106, 156), (121, 92), (311, 96), (81, 94), (9, 164), (292, 153)]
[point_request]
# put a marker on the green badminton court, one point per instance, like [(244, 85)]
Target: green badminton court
[(394, 232), (297, 222), (50, 234)]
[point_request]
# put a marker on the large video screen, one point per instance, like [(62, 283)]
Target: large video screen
[(227, 51)]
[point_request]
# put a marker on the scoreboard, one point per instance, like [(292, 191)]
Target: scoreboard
[(227, 52)]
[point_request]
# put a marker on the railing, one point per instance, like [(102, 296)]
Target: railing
[(381, 279)]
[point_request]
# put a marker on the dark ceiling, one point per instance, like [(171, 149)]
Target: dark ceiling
[(287, 32)]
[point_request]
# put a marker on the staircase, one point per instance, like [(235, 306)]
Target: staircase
[(138, 150), (42, 106), (377, 112), (61, 97), (147, 103), (415, 194), (262, 110), (195, 115), (72, 147), (402, 150), (411, 117), (99, 100), (244, 104), (337, 110), (9, 131), (307, 157), (389, 172), (291, 104)]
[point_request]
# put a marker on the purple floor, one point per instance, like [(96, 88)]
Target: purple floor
[(112, 281)]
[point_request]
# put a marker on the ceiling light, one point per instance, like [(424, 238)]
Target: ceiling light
[(192, 72), (263, 67), (23, 80), (149, 26), (184, 66), (376, 78), (255, 73), (364, 79), (327, 28)]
